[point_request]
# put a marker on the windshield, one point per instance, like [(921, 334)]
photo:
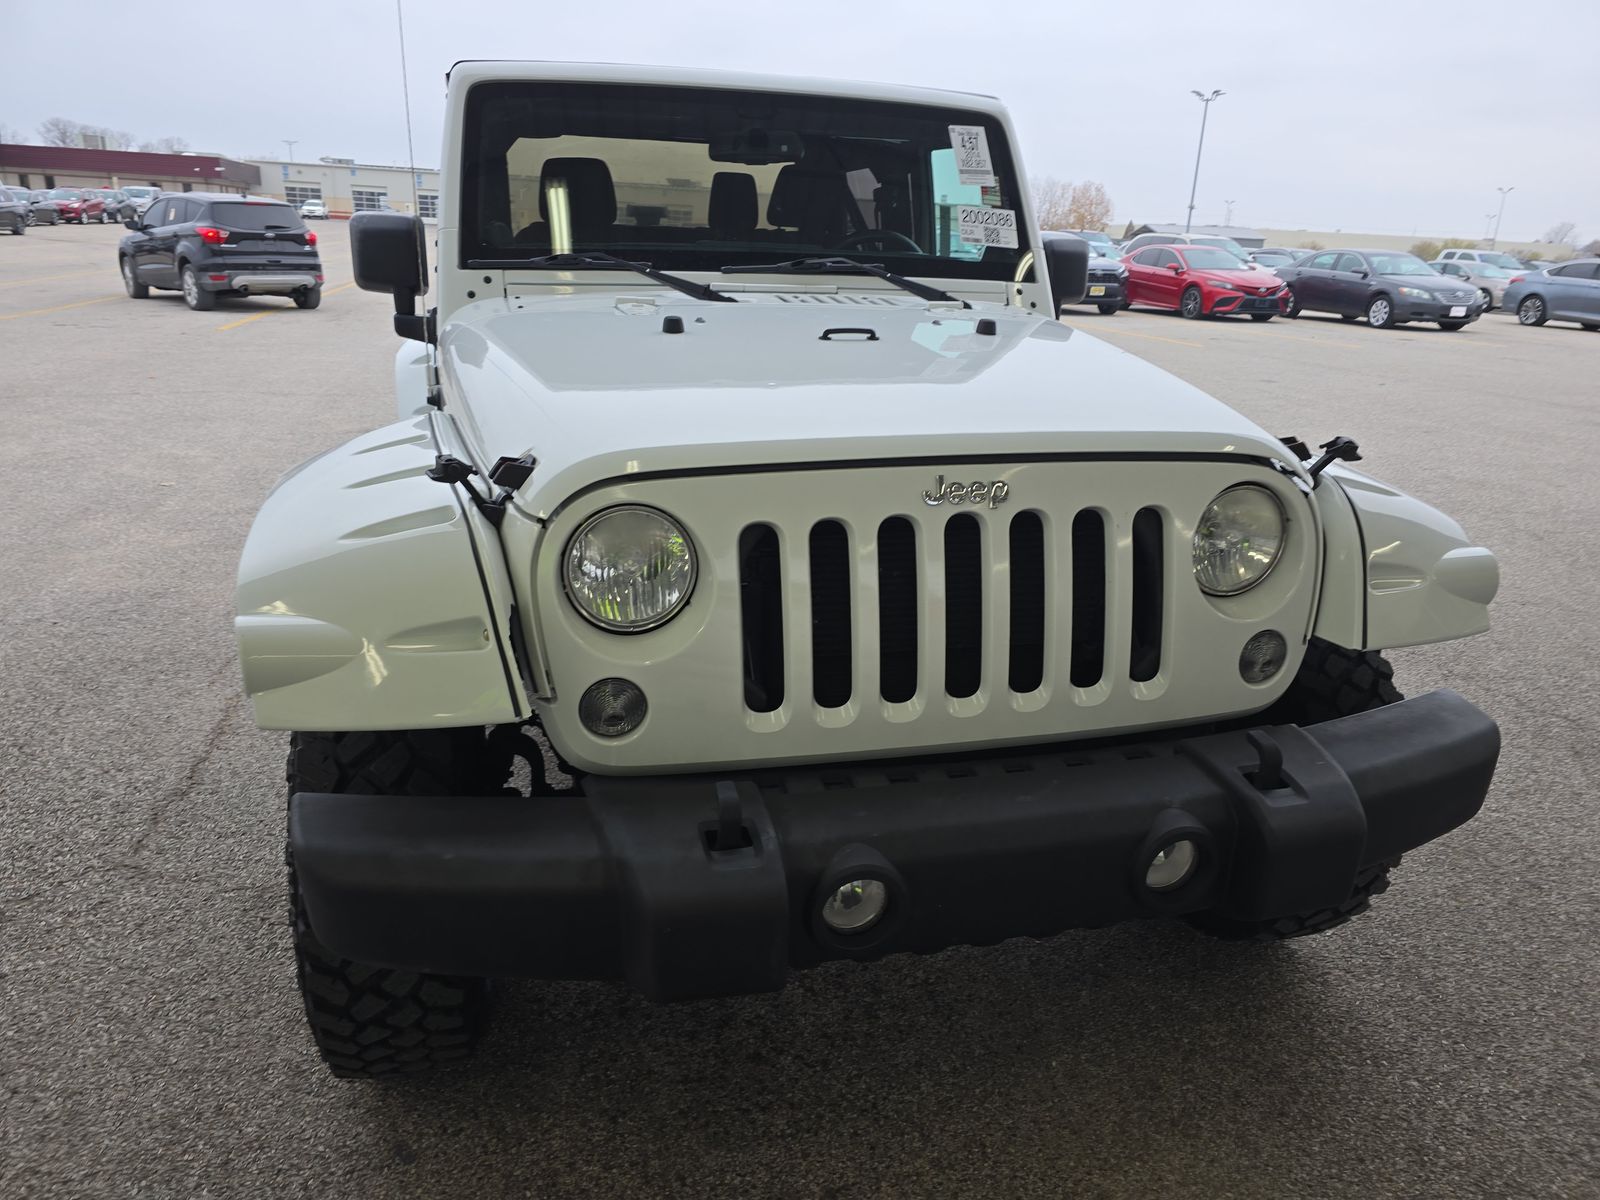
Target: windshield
[(698, 179), (66, 194), (1495, 258), (1400, 264), (1489, 271), (1272, 260), (1208, 258), (256, 217), (1228, 244), (139, 193)]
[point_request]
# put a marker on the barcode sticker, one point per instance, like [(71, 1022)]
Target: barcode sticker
[(979, 226), (971, 144)]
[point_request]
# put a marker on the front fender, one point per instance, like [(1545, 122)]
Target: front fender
[(366, 601), (1398, 572)]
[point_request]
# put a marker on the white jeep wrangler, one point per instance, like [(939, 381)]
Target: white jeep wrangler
[(840, 601)]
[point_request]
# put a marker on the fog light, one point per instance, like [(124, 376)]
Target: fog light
[(856, 906), (1171, 866), (612, 707), (1263, 656)]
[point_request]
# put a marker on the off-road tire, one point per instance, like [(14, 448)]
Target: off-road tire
[(371, 1022), (1332, 682), (310, 298)]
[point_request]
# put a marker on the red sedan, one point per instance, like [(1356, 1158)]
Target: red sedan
[(1203, 281)]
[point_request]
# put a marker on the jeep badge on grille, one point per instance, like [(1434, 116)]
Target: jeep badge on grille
[(993, 494)]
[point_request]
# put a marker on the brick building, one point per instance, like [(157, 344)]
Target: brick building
[(66, 166)]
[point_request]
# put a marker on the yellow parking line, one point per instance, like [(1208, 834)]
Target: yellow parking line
[(269, 312), (1154, 337), (39, 312), (49, 278)]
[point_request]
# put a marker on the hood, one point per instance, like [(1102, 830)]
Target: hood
[(594, 388)]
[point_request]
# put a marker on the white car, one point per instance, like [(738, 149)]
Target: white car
[(313, 209), (838, 600)]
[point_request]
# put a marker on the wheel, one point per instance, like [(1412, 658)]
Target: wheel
[(369, 1021), (1380, 312), (195, 296), (1294, 308), (1532, 311), (1190, 305), (1332, 682), (309, 298), (130, 281), (1109, 310), (1453, 326), (1262, 316), (1488, 299), (1589, 325), (19, 227)]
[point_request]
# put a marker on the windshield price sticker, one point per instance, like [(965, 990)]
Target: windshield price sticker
[(987, 226), (971, 144)]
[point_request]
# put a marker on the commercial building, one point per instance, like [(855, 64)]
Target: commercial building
[(67, 166), (347, 186)]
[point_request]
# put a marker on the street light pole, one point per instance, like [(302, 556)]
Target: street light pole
[(1228, 220), (291, 143), (1204, 113), (1504, 192)]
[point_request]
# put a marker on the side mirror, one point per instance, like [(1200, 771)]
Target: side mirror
[(1175, 268), (133, 223), (1066, 261), (389, 253)]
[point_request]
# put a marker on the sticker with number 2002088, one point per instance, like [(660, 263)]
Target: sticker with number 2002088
[(987, 226)]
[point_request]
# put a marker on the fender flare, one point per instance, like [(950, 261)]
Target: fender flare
[(1396, 571), (369, 598)]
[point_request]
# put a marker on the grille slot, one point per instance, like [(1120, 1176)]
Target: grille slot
[(1027, 602), (830, 614), (963, 602), (761, 613), (897, 610), (1088, 598), (1144, 659)]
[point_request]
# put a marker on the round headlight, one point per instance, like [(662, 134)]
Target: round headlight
[(1238, 540), (629, 568)]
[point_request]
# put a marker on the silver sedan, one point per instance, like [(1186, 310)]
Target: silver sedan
[(1489, 279), (1568, 291)]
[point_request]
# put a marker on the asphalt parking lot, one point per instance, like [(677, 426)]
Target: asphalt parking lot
[(151, 1042)]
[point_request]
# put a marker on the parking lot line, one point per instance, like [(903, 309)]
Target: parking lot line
[(49, 278), (270, 311), (39, 312), (1153, 337)]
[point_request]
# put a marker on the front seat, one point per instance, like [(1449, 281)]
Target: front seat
[(816, 203), (732, 217), (590, 201)]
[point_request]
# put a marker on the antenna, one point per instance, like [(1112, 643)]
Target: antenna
[(411, 155)]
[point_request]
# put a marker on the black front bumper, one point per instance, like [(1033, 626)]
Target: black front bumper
[(1406, 309), (640, 879)]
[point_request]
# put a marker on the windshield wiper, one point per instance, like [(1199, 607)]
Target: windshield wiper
[(597, 260), (845, 266)]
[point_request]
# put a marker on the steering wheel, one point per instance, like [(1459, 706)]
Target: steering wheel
[(880, 236)]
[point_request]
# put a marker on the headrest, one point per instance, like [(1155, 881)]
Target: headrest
[(800, 193), (733, 203), (591, 198)]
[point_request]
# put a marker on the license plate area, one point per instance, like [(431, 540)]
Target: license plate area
[(1458, 310), (1097, 289)]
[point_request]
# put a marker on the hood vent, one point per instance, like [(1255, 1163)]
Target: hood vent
[(835, 298)]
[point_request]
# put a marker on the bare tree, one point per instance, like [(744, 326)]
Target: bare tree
[(1561, 234), (166, 145), (1593, 248), (9, 135), (1088, 207), (58, 131), (115, 139), (1052, 203)]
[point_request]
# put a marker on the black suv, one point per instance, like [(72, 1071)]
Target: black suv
[(203, 245)]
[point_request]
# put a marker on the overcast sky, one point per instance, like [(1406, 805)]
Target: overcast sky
[(1365, 116)]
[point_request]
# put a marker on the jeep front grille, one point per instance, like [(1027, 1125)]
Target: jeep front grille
[(1015, 572), (838, 616)]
